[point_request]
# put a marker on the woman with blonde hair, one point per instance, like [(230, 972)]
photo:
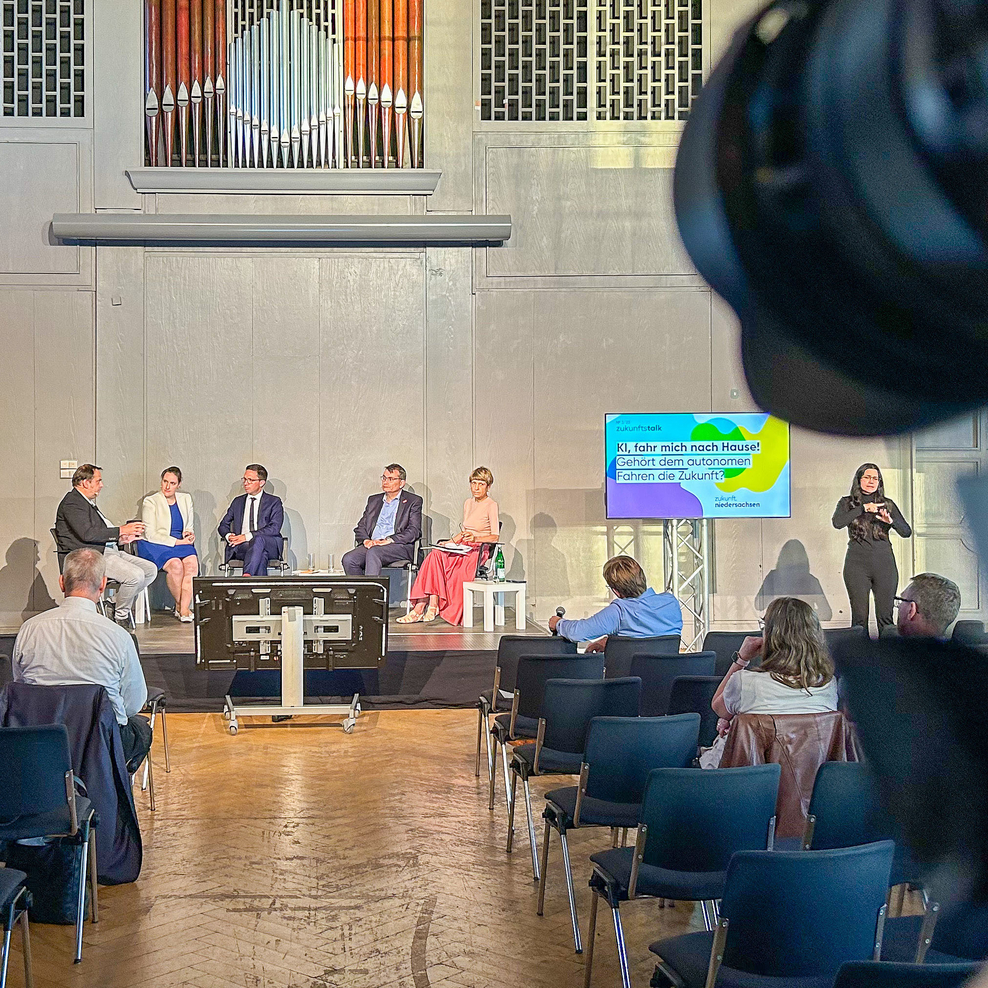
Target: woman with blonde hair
[(169, 539), (796, 675), (438, 588)]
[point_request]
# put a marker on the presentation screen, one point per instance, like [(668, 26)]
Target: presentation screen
[(709, 465)]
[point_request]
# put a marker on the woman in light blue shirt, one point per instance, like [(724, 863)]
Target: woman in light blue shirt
[(637, 612)]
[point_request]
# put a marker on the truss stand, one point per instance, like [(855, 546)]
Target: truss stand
[(686, 562), (290, 631)]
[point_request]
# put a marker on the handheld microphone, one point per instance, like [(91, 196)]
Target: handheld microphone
[(560, 612)]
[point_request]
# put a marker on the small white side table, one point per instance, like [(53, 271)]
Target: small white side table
[(493, 608)]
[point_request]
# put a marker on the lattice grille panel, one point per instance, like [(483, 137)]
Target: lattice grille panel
[(534, 59), (646, 57), (43, 47)]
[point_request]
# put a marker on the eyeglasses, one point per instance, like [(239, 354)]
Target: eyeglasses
[(392, 480), (899, 601)]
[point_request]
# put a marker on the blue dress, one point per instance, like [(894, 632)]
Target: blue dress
[(160, 554)]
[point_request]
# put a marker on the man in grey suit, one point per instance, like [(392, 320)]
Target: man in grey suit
[(391, 523)]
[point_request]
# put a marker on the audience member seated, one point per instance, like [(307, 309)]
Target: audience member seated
[(169, 539), (73, 643), (390, 525), (438, 588), (252, 524), (638, 611), (927, 607), (796, 675), (80, 524)]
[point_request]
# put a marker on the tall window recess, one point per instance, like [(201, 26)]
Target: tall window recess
[(284, 83), (43, 47), (590, 59)]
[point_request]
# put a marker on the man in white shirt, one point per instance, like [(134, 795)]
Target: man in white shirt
[(73, 643)]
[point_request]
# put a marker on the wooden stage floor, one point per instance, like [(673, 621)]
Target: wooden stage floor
[(300, 857), (166, 635)]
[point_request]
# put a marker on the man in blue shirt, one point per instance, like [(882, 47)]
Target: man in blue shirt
[(637, 612)]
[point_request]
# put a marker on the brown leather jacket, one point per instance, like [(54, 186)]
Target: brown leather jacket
[(800, 743)]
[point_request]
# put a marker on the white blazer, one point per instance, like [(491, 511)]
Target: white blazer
[(157, 517)]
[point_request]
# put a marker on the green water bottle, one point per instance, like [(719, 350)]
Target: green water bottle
[(499, 566)]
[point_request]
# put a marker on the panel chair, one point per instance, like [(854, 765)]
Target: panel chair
[(694, 694), (568, 706), (659, 672), (521, 724), (404, 567), (692, 820), (509, 649), (884, 974), (725, 644), (787, 918), (15, 900), (618, 652), (38, 799), (228, 566), (969, 633), (156, 703), (952, 935), (620, 752)]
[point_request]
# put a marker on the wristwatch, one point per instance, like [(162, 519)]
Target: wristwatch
[(744, 663)]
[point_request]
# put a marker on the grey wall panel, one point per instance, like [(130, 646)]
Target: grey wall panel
[(200, 379), (450, 388), (117, 104), (725, 16), (42, 172), (504, 418), (449, 102), (372, 374), (120, 378), (286, 407), (23, 550), (576, 211), (288, 205), (64, 402)]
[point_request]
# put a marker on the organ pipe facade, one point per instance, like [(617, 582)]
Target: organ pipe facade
[(284, 83)]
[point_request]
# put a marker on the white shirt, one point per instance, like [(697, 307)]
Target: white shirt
[(73, 644), (750, 692), (245, 524), (106, 521)]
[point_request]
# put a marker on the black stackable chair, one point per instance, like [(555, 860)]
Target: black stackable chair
[(38, 799), (618, 652), (407, 568), (228, 566), (694, 694), (533, 672), (884, 974), (619, 754), (509, 649), (568, 706), (725, 644), (659, 672), (15, 900)]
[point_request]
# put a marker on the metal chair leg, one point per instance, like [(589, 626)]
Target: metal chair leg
[(93, 883), (591, 933), (81, 901), (511, 809), (509, 791), (545, 868), (568, 868), (480, 730), (491, 781), (622, 952), (708, 923), (490, 753), (164, 737), (149, 775), (26, 939), (4, 957), (531, 830)]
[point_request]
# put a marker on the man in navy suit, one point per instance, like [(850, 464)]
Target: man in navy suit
[(252, 524), (391, 523)]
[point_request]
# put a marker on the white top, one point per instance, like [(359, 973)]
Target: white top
[(157, 517), (245, 524), (72, 644), (752, 692)]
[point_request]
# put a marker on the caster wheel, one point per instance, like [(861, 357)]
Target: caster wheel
[(233, 728), (348, 726)]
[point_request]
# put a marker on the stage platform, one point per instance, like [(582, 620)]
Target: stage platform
[(427, 666)]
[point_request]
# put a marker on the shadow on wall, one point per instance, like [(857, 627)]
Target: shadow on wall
[(792, 578), (22, 587), (434, 526), (539, 552), (296, 536)]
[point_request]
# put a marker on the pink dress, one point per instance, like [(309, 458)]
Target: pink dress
[(444, 573)]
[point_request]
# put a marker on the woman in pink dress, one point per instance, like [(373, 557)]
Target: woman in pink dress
[(438, 588)]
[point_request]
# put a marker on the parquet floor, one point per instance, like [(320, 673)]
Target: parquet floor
[(300, 857)]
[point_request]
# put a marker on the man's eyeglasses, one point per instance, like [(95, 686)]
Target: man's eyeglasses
[(899, 601), (392, 480)]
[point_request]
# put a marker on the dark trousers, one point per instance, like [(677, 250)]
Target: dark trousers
[(869, 568), (369, 562), (136, 738), (256, 554)]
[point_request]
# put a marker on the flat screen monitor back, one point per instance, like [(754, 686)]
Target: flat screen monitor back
[(348, 630)]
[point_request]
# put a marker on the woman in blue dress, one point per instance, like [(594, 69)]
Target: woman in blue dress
[(169, 539)]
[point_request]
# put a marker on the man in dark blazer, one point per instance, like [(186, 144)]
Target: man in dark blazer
[(252, 524), (391, 523), (79, 524)]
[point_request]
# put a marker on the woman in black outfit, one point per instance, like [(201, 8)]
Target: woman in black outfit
[(869, 566)]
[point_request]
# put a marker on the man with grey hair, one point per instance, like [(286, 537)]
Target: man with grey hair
[(79, 523), (73, 643), (928, 606)]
